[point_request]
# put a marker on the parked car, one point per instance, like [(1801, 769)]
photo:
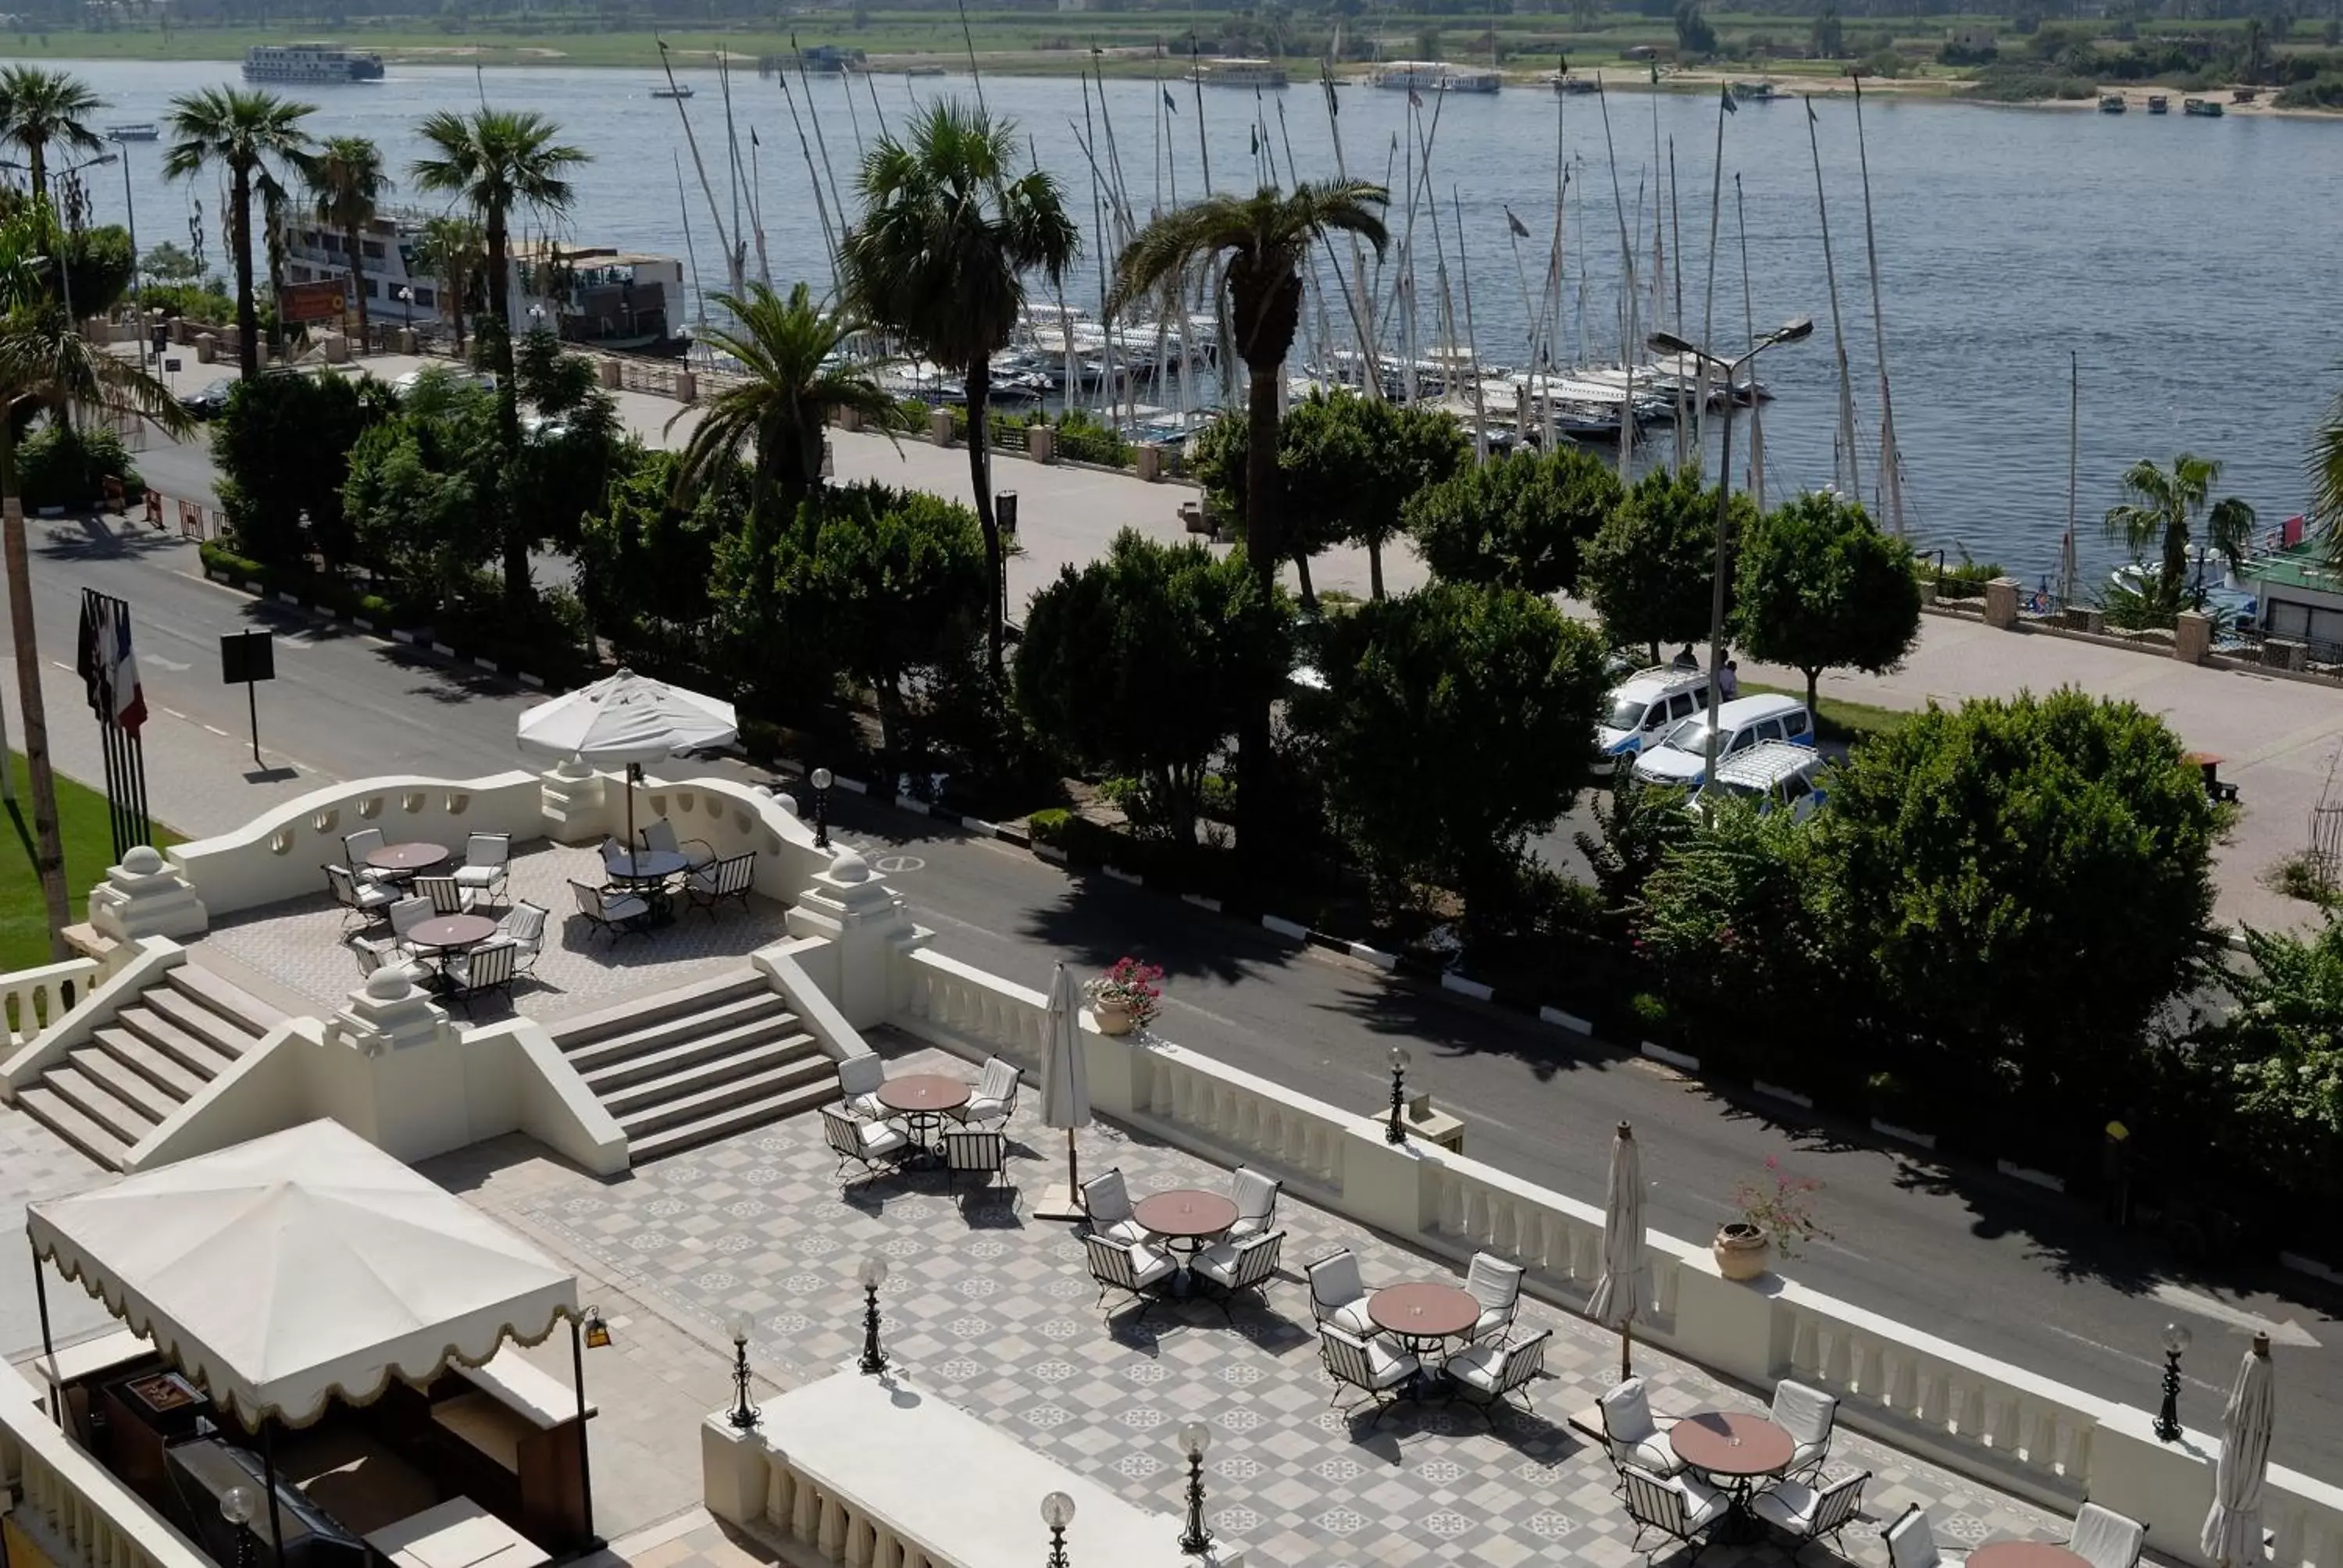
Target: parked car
[(210, 401), (1643, 707), (1681, 758), (1776, 775)]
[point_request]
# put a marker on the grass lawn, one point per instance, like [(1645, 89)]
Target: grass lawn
[(89, 850), (1838, 719)]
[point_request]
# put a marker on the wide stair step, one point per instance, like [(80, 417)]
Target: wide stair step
[(655, 1102), (740, 1117), (608, 1059), (60, 1116), (99, 1103), (688, 1050)]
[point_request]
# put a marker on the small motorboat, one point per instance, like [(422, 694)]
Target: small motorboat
[(2111, 103), (2157, 104), (681, 92), (142, 132), (2203, 108), (923, 71)]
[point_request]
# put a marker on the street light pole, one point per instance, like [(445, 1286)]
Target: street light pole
[(137, 273), (1666, 343)]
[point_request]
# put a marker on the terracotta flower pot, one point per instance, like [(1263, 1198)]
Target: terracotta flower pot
[(1742, 1251), (1113, 1018)]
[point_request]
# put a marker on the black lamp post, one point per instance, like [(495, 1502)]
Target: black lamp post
[(1397, 1132), (237, 1505), (873, 1273), (2167, 1420), (820, 779), (1057, 1513), (1193, 1438), (744, 1415)]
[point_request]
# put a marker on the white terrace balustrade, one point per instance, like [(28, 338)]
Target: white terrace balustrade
[(32, 999)]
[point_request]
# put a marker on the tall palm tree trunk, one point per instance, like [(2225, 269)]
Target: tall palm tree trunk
[(501, 346), (49, 841), (977, 379), (1256, 768), (36, 158), (356, 253), (248, 315)]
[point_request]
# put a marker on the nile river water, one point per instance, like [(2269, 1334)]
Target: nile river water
[(2192, 268)]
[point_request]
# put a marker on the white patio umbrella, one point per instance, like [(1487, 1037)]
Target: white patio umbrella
[(625, 720), (2233, 1525), (1065, 1088), (1625, 1288)]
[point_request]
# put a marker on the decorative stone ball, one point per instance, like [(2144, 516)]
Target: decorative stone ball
[(144, 859), (386, 984), (786, 802), (849, 867)]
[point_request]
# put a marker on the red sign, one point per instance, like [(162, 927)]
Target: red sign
[(311, 301)]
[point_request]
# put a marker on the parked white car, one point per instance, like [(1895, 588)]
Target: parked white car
[(1681, 757), (1643, 707), (1777, 775)]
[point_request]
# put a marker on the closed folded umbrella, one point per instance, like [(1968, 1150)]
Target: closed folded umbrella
[(1625, 1287), (626, 720), (1065, 1087), (2233, 1525)]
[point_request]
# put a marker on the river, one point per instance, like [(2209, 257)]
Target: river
[(2192, 268)]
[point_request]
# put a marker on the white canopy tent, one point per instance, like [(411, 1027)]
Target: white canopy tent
[(301, 1267)]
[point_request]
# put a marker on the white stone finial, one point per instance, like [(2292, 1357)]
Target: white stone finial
[(386, 984), (144, 859), (849, 867)]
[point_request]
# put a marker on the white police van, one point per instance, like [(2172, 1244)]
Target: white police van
[(1777, 775), (1645, 706), (1681, 757)]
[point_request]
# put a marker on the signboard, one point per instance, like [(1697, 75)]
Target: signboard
[(247, 656), (311, 301)]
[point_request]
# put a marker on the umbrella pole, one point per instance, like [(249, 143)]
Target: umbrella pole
[(1073, 1172), (634, 770), (268, 1464), (1626, 1342), (585, 1460), (49, 1346)]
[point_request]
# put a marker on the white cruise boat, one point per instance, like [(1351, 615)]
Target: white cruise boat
[(1236, 71), (1433, 77), (310, 64)]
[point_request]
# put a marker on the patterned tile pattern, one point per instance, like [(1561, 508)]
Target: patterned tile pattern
[(995, 1311), (298, 943)]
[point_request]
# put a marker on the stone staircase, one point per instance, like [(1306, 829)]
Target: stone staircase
[(699, 1062), (157, 1052)]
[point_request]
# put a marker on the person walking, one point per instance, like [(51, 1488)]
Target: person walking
[(1684, 659), (1728, 681)]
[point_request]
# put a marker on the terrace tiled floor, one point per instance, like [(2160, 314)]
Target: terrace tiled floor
[(994, 1311), (298, 943)]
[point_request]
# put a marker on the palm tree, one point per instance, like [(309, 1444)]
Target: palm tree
[(348, 180), (787, 350), (2161, 516), (493, 162), (45, 364), (242, 130), (451, 250), (940, 259), (40, 109), (2326, 470), (1266, 237)]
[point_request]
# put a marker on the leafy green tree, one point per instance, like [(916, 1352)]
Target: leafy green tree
[(1734, 917), (46, 365), (647, 556), (348, 182), (2323, 467), (244, 131), (1143, 663), (2274, 1063), (423, 490), (894, 588), (170, 262), (1827, 38), (1639, 823), (98, 261), (1522, 521), (1455, 721), (2161, 516), (1266, 238), (499, 162), (453, 252), (949, 235), (790, 352), (574, 447), (283, 450), (40, 110), (1695, 35), (1349, 464), (2025, 882), (1820, 588), (1650, 568)]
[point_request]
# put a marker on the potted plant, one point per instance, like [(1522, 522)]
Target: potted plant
[(1127, 996), (1777, 1212)]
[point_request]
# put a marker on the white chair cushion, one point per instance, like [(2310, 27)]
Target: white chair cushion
[(984, 1109), (1216, 1263), (1387, 1366), (1805, 1453), (1130, 1232), (477, 876), (867, 1106), (1493, 1320), (1149, 1264), (1654, 1453), (1243, 1228), (1353, 1316), (1787, 1505), (624, 907), (877, 1138), (1478, 1367), (1704, 1503)]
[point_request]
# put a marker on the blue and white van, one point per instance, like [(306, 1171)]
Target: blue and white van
[(1681, 757), (1645, 706)]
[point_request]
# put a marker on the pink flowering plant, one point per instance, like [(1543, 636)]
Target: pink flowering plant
[(1781, 1206), (1135, 987)]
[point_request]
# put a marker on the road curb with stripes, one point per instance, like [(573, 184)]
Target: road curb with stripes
[(422, 642)]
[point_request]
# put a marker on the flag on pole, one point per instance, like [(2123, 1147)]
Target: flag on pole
[(1521, 230), (1562, 65), (1413, 101), (1168, 102), (1730, 107), (86, 658), (1655, 72), (129, 699), (1810, 110), (752, 138), (1256, 141)]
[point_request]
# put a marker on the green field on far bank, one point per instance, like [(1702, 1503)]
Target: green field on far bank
[(89, 850)]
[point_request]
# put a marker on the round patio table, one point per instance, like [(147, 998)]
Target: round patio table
[(2026, 1555), (452, 932), (923, 1099), (645, 871), (1420, 1314), (1733, 1448), (1186, 1217), (406, 859)]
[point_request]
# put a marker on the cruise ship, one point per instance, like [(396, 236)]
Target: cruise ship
[(1434, 76), (1231, 71), (310, 64)]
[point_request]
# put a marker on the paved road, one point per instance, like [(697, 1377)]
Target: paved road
[(2002, 1268)]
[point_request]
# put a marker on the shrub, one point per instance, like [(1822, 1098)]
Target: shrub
[(68, 466)]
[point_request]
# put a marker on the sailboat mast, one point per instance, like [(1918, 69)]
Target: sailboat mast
[(1687, 452), (2074, 450), (1472, 339), (715, 214), (1891, 465), (1845, 443), (1708, 292), (1749, 322), (1627, 287)]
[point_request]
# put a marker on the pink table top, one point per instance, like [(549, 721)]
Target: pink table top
[(416, 857), (923, 1091), (1423, 1310), (1731, 1443), (1186, 1212), (452, 931)]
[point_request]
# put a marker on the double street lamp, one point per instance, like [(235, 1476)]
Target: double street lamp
[(1792, 331)]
